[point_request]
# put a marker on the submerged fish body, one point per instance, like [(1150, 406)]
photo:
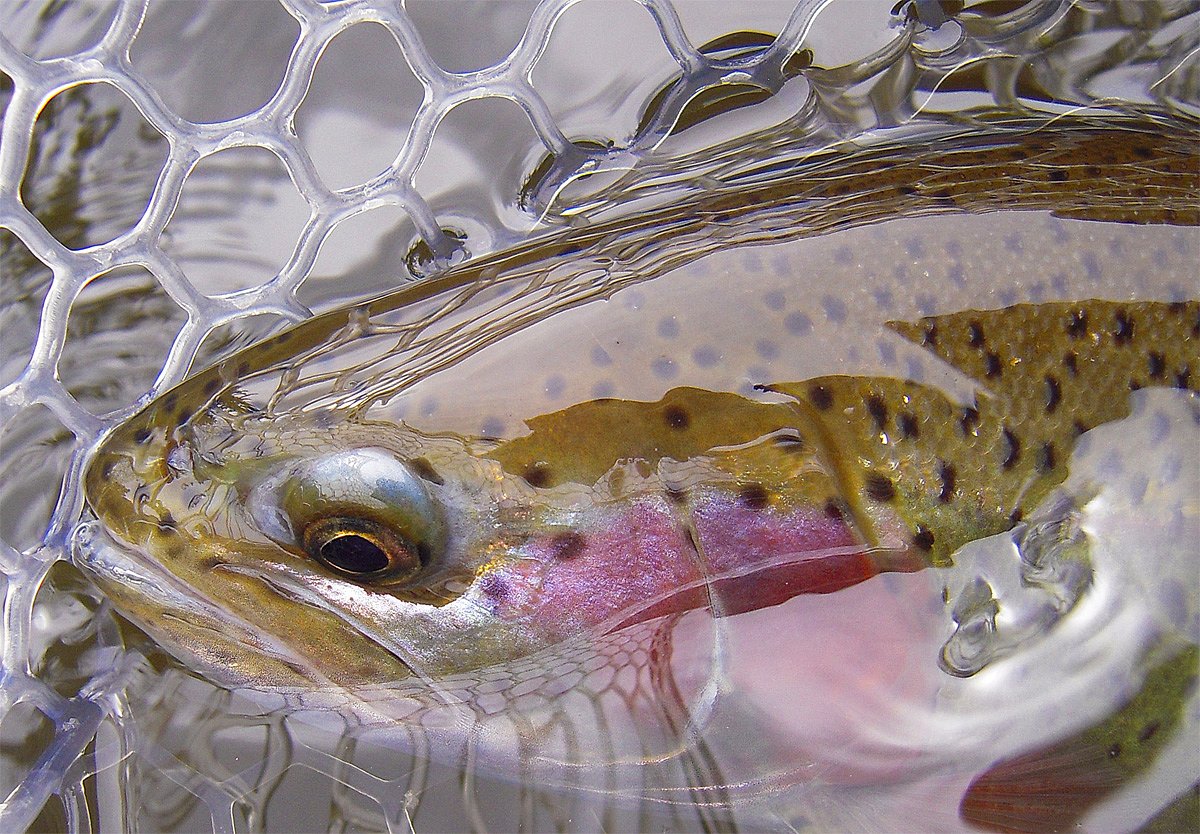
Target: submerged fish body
[(295, 519)]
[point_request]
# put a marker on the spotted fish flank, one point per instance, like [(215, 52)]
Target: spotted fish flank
[(732, 502), (888, 448)]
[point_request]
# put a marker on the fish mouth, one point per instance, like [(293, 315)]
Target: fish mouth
[(189, 624)]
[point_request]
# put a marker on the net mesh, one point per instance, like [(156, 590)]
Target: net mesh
[(119, 738)]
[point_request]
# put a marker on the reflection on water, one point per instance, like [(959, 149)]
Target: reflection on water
[(810, 711)]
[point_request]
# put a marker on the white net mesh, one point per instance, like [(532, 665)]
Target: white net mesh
[(183, 172)]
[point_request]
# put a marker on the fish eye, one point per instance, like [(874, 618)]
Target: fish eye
[(361, 549), (362, 514)]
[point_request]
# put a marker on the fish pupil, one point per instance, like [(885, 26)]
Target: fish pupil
[(354, 554)]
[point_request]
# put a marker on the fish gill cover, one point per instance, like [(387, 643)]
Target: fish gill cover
[(161, 214)]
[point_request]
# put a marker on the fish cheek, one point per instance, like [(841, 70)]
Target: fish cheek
[(310, 639)]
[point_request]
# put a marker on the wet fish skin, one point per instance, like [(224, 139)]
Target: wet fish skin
[(855, 464), (958, 471)]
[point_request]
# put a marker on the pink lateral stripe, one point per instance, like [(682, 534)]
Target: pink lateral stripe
[(640, 561)]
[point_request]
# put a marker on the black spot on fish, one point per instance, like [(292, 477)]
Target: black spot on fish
[(1147, 732), (1134, 385), (1115, 750), (1123, 328), (1080, 427), (425, 469), (1059, 175), (169, 401), (923, 538), (185, 414), (1071, 363), (1142, 152), (1183, 378), (1012, 450), (142, 435), (537, 474), (676, 417), (209, 563), (1046, 457), (1093, 170), (1078, 324), (991, 365), (975, 336), (968, 419), (820, 396), (878, 410), (109, 466), (1156, 365), (568, 545), (906, 421), (243, 368), (424, 553), (879, 487), (754, 496), (1016, 515), (1053, 394), (835, 508), (211, 387), (792, 443), (929, 337), (948, 475), (906, 190)]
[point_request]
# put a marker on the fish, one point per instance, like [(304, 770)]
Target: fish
[(277, 523)]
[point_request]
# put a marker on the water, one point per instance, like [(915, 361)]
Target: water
[(199, 759)]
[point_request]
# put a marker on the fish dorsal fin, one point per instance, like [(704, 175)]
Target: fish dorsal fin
[(1047, 373)]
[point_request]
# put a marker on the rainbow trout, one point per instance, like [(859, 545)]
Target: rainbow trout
[(302, 518)]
